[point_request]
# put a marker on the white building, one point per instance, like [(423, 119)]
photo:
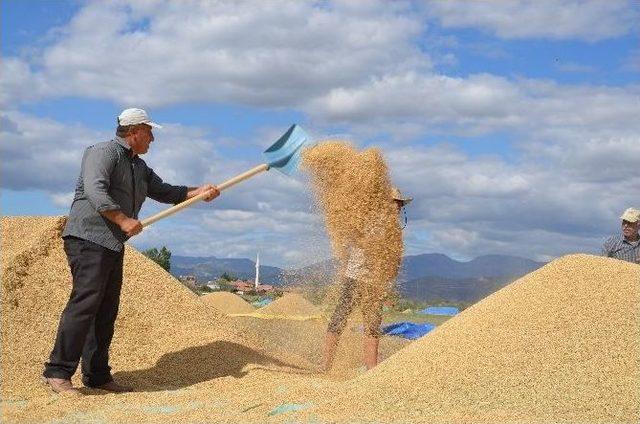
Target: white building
[(257, 281)]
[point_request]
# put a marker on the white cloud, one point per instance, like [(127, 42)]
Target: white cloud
[(560, 201), (434, 99), (356, 66), (597, 160), (481, 104), (571, 192), (339, 62), (62, 200), (589, 20), (270, 212), (19, 83), (275, 53), (283, 237), (632, 62), (455, 239), (41, 153)]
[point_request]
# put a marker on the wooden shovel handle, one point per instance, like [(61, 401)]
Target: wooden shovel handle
[(230, 182), (238, 178)]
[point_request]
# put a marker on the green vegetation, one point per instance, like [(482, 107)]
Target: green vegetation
[(200, 290), (162, 257), (225, 285), (227, 276)]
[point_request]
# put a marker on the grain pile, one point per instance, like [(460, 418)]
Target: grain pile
[(23, 242), (291, 305), (227, 303), (36, 285), (561, 344), (306, 339), (353, 191), (165, 338)]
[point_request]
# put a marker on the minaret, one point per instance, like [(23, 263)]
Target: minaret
[(257, 282)]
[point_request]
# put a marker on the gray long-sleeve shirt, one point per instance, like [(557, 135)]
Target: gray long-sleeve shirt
[(620, 248), (110, 179)]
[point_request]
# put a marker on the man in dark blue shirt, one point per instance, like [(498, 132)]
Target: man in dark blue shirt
[(114, 182)]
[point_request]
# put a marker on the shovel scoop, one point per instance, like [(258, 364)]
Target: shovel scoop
[(283, 155)]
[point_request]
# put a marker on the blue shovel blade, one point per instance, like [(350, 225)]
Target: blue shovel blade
[(284, 154)]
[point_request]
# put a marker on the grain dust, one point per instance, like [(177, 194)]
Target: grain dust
[(354, 193)]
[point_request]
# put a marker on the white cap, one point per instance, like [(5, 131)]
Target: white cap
[(135, 116), (631, 215)]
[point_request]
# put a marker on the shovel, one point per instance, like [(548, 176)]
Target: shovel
[(283, 155)]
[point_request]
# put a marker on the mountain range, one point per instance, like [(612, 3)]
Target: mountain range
[(427, 277), (209, 268), (440, 265)]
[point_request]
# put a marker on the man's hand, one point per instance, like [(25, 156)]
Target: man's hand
[(130, 226), (212, 191)]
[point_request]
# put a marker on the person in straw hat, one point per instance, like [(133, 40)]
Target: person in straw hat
[(626, 246), (113, 183), (372, 315)]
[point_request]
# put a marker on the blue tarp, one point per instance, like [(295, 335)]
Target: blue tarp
[(261, 303), (289, 407), (408, 330), (440, 310)]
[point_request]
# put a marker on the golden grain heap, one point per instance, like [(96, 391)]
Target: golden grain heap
[(561, 344), (353, 191), (291, 305), (157, 314), (227, 303), (165, 338)]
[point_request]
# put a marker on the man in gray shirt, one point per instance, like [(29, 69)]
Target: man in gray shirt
[(627, 246), (114, 182)]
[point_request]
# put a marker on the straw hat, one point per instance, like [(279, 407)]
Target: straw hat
[(631, 215), (396, 194)]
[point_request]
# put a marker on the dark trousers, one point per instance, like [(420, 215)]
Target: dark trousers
[(87, 322)]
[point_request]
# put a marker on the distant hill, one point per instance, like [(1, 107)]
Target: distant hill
[(209, 268), (439, 265), (320, 272), (465, 290), (428, 277), (437, 278)]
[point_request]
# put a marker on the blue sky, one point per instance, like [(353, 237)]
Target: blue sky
[(514, 124)]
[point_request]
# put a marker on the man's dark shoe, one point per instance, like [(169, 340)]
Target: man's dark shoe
[(114, 387), (61, 386)]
